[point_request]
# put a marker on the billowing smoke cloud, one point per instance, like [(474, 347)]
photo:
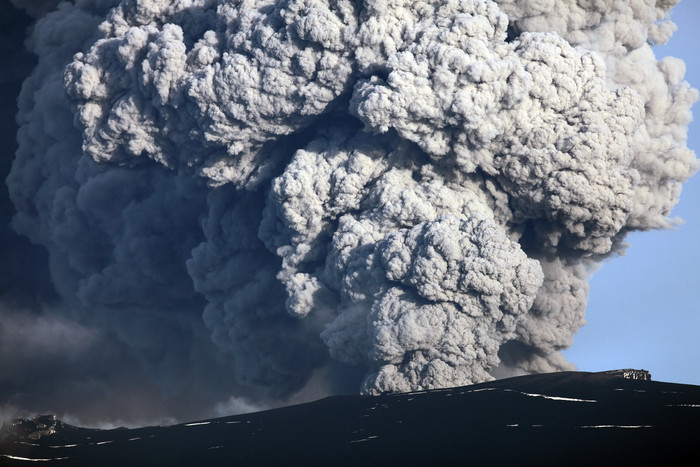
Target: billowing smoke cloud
[(268, 200)]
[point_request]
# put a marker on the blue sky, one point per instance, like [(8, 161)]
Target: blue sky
[(643, 309)]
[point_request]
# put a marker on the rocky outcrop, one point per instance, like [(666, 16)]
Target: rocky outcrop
[(628, 373), (34, 428)]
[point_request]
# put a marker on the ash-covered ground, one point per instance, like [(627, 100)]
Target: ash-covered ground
[(567, 418)]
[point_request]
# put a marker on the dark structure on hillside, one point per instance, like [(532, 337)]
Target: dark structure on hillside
[(628, 373)]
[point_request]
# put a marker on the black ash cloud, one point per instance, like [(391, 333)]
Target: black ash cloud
[(257, 200)]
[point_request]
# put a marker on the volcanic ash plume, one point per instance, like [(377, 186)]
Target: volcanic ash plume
[(414, 190)]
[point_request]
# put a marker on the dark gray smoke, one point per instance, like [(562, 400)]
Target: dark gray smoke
[(251, 201)]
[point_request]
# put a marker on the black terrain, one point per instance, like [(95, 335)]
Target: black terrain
[(568, 418)]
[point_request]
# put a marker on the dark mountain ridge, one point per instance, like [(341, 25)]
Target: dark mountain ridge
[(567, 418)]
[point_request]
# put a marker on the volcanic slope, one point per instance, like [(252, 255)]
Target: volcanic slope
[(566, 418)]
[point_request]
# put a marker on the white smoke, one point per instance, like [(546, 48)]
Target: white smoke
[(413, 192)]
